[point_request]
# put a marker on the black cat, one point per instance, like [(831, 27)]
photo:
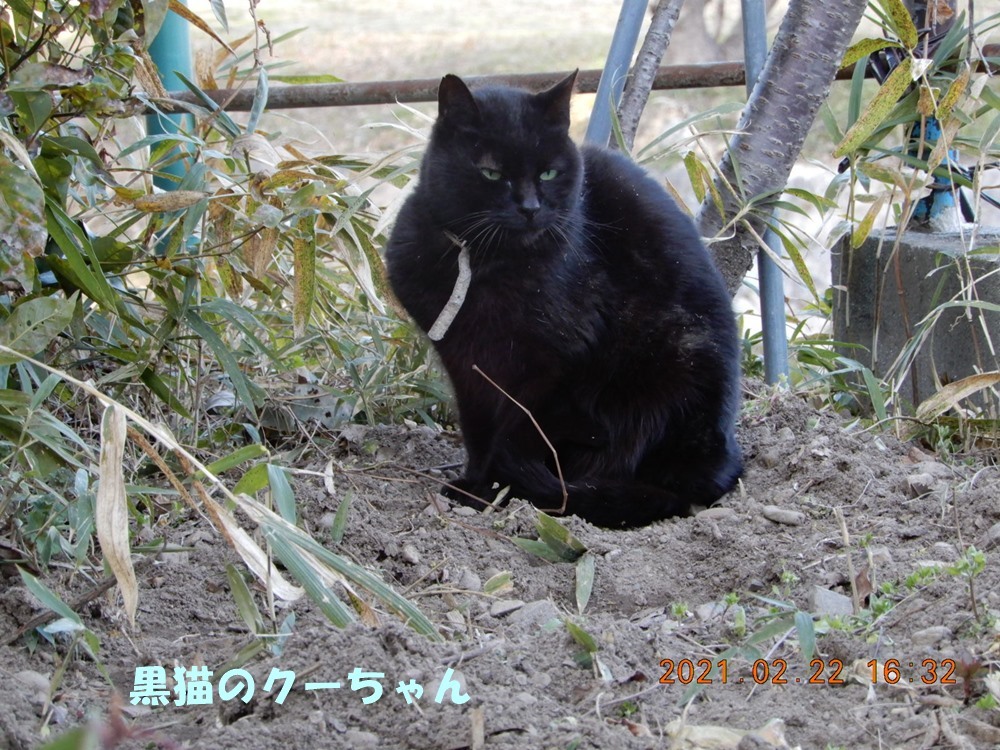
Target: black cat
[(592, 302)]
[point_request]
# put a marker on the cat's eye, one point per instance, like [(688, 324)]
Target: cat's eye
[(549, 174), (490, 174)]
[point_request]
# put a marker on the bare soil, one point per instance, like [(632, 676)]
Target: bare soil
[(658, 595)]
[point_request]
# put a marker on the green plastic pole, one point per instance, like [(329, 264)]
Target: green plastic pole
[(171, 53)]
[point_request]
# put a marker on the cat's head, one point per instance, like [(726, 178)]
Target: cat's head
[(500, 165)]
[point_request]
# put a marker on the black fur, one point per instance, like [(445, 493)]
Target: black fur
[(593, 303)]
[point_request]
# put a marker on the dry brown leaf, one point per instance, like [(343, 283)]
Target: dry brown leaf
[(111, 509)]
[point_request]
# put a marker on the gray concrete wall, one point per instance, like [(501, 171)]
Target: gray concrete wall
[(889, 294)]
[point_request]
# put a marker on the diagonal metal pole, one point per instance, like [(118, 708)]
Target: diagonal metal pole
[(609, 90), (772, 290)]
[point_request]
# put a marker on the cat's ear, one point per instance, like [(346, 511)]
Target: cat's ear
[(455, 102), (554, 102)]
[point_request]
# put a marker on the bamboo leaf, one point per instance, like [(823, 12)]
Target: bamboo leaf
[(48, 598), (558, 538), (541, 549), (111, 509), (807, 634), (237, 457), (864, 228), (952, 394), (34, 324), (864, 48), (259, 100), (339, 524), (901, 22), (584, 580), (696, 175), (225, 357), (219, 9), (184, 12), (22, 220), (282, 494), (581, 636), (304, 291), (173, 200), (878, 109), (244, 600)]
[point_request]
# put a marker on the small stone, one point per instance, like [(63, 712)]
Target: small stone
[(831, 603), (920, 484), (525, 698), (708, 611), (783, 515), (946, 551), (535, 614), (505, 607), (359, 738), (786, 435), (931, 636), (431, 688), (991, 538), (880, 554), (467, 580), (771, 457), (410, 554)]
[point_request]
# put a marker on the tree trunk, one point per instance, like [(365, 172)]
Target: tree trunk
[(791, 88), (647, 65)]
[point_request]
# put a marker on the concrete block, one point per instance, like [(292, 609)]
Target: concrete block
[(905, 305)]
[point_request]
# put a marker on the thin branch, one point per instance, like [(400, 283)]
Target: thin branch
[(538, 427)]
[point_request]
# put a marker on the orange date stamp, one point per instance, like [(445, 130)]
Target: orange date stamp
[(822, 672)]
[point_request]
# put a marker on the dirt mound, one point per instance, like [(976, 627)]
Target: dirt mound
[(723, 589)]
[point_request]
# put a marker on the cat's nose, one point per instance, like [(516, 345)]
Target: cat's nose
[(529, 208)]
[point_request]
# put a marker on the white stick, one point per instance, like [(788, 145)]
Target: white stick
[(454, 303)]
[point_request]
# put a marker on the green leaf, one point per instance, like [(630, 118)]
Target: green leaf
[(541, 549), (864, 48), (878, 109), (339, 524), (48, 598), (284, 549), (584, 580), (226, 123), (901, 22), (33, 325), (22, 219), (356, 574), (240, 456), (259, 101), (244, 600), (302, 80), (807, 634), (225, 357), (304, 291), (558, 538), (499, 583), (219, 9), (253, 481), (581, 636), (282, 494)]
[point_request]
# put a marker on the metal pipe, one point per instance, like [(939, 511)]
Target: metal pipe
[(612, 83), (669, 77), (772, 291)]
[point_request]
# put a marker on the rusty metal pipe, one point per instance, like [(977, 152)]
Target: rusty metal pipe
[(425, 90), (669, 77)]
